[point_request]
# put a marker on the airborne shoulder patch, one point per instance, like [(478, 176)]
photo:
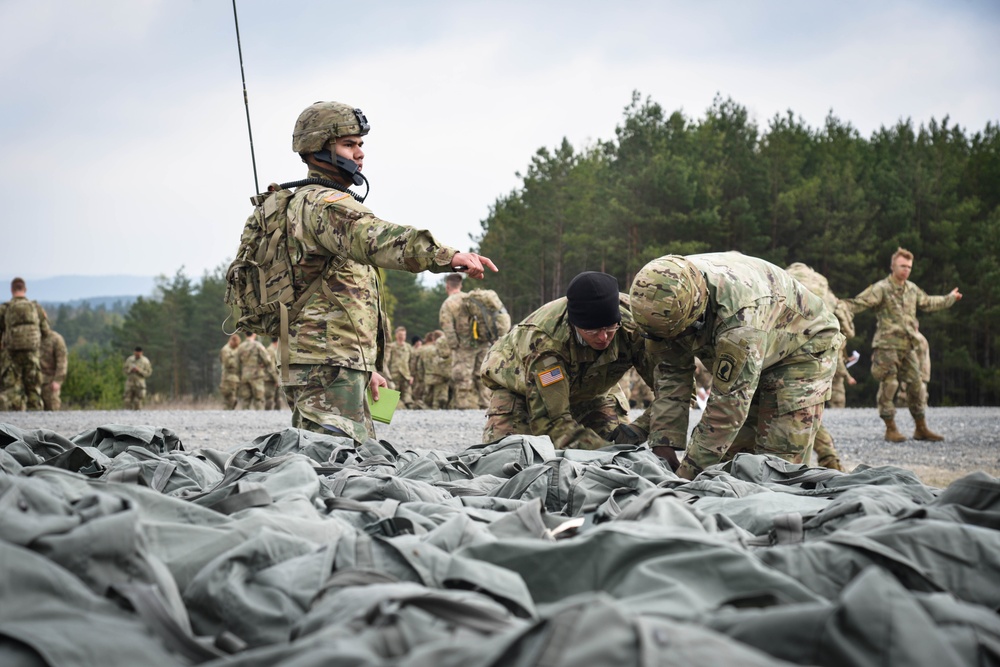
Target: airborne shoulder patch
[(335, 197), (551, 375), (729, 361)]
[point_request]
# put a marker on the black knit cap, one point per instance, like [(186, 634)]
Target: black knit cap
[(593, 300)]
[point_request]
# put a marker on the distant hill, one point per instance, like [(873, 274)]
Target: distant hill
[(92, 289)]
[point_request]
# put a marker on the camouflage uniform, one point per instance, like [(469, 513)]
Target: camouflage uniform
[(53, 360), (273, 398), (638, 392), (548, 381), (924, 362), (136, 371), (398, 366), (23, 324), (11, 394), (230, 385), (339, 337), (467, 355), (772, 346), (815, 282), (894, 356), (437, 373), (255, 364)]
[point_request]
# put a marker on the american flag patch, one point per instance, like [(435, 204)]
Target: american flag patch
[(335, 197), (551, 376)]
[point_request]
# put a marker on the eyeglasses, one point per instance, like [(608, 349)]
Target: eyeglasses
[(597, 332)]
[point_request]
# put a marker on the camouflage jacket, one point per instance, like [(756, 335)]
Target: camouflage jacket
[(230, 359), (137, 370), (543, 360), (52, 358), (757, 317), (397, 361), (437, 362), (255, 362), (345, 324), (455, 323), (896, 307), (273, 354)]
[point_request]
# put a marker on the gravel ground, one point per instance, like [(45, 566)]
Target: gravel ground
[(972, 434)]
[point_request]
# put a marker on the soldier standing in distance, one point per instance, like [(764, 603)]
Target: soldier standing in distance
[(230, 361), (398, 366), (23, 323), (337, 341), (895, 301), (467, 353), (136, 368), (52, 357), (772, 365), (557, 372), (255, 364), (273, 398)]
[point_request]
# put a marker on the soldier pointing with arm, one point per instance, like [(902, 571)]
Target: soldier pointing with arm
[(337, 340), (895, 301)]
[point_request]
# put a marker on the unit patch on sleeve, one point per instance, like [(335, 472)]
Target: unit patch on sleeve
[(551, 376), (729, 361), (335, 197)]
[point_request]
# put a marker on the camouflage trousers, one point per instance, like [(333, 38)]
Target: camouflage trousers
[(470, 393), (230, 390), (787, 434), (436, 393), (51, 397), (508, 414), (252, 394), (405, 393), (892, 367), (273, 396), (826, 453), (838, 392), (135, 394), (330, 400), (25, 379)]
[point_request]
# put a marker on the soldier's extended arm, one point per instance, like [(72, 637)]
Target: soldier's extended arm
[(364, 238), (931, 303), (871, 297)]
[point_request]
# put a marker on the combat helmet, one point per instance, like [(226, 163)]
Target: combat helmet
[(667, 296), (323, 121)]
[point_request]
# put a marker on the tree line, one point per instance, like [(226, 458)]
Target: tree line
[(668, 183)]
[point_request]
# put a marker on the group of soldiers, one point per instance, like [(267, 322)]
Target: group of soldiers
[(759, 351), (250, 374), (442, 369), (33, 358)]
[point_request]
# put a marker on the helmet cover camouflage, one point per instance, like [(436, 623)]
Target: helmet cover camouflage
[(323, 121), (668, 295)]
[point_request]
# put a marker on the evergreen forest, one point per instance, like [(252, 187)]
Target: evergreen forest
[(666, 183)]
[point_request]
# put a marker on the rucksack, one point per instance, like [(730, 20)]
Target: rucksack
[(22, 322), (259, 282), (487, 315)]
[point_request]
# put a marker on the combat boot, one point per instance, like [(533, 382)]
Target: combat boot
[(831, 462), (892, 434), (924, 433)]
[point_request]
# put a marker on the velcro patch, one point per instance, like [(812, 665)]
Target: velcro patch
[(729, 361), (551, 376), (335, 197)]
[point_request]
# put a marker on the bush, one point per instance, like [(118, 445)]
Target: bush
[(94, 379)]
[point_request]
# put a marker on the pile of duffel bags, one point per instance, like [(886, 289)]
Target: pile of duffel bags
[(118, 547)]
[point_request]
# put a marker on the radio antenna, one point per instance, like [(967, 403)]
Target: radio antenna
[(246, 101)]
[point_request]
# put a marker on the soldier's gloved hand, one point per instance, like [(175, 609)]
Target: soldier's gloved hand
[(669, 454), (628, 434)]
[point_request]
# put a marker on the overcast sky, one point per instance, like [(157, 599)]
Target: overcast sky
[(124, 137)]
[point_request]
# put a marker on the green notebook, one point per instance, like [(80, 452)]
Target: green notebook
[(383, 408)]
